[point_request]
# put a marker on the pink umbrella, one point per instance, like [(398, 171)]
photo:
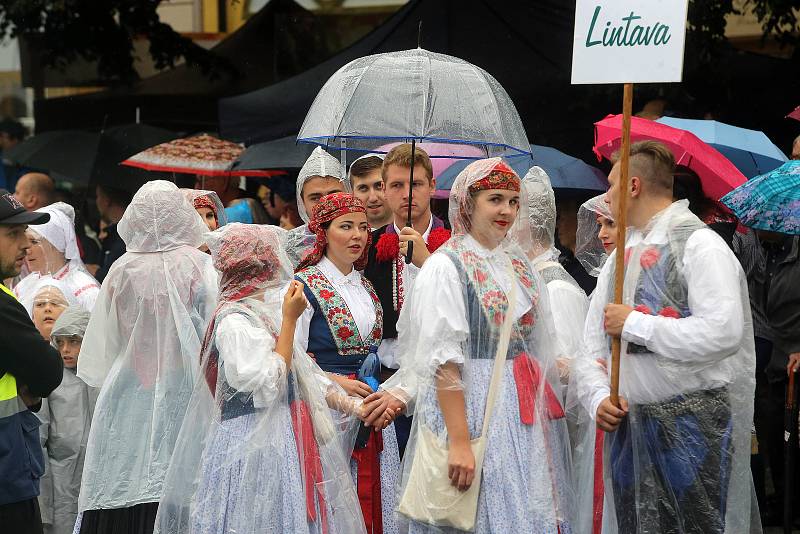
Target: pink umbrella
[(717, 173), (794, 114)]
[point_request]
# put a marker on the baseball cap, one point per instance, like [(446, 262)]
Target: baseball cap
[(12, 212)]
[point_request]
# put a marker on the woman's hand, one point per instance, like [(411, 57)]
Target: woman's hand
[(294, 302), (355, 388), (461, 465)]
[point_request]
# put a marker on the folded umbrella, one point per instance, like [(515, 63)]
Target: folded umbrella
[(769, 202), (717, 174), (750, 150)]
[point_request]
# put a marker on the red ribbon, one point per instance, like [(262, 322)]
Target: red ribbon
[(310, 461), (597, 497), (369, 482), (527, 375)]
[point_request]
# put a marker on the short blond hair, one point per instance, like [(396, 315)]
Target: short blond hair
[(401, 156), (651, 161)]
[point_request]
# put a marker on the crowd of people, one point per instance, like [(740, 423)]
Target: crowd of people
[(320, 362)]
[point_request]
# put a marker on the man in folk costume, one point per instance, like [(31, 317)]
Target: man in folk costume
[(677, 447), (392, 278)]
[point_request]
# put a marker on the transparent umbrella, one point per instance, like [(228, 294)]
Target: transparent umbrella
[(415, 95)]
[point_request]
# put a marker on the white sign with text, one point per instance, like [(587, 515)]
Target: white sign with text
[(629, 41)]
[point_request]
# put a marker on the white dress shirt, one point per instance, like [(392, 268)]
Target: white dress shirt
[(689, 354), (355, 295), (387, 352)]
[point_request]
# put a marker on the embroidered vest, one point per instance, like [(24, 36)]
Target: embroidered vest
[(487, 303), (661, 288), (333, 337)]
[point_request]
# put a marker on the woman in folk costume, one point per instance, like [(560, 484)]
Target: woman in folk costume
[(66, 418), (55, 252), (258, 451), (473, 295), (321, 174), (536, 236), (596, 238), (596, 235), (142, 347), (342, 329), (208, 206)]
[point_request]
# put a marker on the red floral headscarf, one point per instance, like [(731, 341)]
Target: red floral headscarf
[(205, 202), (247, 260), (331, 207)]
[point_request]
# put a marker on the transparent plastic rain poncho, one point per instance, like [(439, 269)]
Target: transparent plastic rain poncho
[(300, 240), (200, 198), (66, 417), (536, 236), (448, 333), (47, 289), (588, 247), (679, 462), (142, 346), (59, 234), (259, 449)]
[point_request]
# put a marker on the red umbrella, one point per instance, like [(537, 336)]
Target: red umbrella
[(717, 173), (794, 114), (201, 154)]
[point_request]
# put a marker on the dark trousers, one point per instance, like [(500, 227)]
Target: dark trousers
[(21, 517), (670, 465)]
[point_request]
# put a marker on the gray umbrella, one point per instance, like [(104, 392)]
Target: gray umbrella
[(283, 153)]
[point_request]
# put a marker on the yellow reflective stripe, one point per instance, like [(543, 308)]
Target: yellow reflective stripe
[(8, 387), (7, 291)]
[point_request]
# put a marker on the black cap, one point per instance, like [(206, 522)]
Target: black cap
[(12, 212)]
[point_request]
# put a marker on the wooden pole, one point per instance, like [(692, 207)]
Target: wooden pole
[(619, 220)]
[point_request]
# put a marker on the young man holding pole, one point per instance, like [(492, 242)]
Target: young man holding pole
[(677, 449)]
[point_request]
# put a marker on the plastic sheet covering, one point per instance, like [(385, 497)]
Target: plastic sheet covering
[(209, 197), (58, 234), (534, 231), (142, 345), (319, 163), (448, 334), (259, 450), (66, 416), (44, 290), (679, 462), (588, 247)]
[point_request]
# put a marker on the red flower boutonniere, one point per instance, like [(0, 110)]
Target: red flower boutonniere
[(387, 247), (649, 257), (437, 238), (344, 333), (669, 311)]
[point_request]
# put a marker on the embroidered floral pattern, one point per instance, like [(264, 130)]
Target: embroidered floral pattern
[(344, 329), (493, 299), (649, 257)]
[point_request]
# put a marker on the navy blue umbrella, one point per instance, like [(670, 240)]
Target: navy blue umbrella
[(565, 171)]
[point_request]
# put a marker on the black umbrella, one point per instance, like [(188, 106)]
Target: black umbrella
[(790, 430), (283, 153), (70, 153), (117, 144)]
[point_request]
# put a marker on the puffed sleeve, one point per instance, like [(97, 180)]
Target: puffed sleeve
[(434, 319), (249, 360)]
